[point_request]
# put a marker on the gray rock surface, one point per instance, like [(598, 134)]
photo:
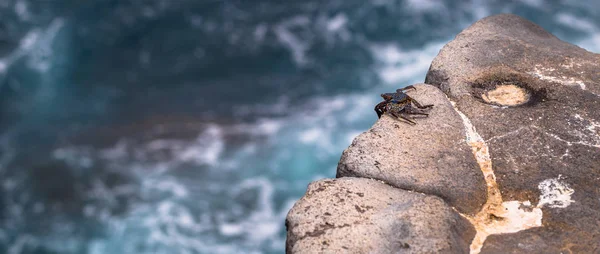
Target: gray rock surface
[(357, 215), (430, 157), (531, 106), (546, 150)]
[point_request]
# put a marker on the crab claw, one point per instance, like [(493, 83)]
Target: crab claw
[(380, 109)]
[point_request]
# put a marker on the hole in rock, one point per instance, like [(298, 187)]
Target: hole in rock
[(507, 90)]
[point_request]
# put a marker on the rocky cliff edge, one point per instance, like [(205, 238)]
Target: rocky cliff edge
[(508, 160)]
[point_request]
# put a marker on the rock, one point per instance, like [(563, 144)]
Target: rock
[(357, 215), (514, 147), (535, 101), (430, 157)]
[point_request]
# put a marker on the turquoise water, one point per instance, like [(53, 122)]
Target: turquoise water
[(193, 126)]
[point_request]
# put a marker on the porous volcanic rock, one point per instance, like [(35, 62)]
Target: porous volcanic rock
[(546, 150), (430, 157), (358, 215), (529, 105)]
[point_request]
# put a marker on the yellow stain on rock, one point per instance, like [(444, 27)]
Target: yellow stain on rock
[(506, 95), (496, 216)]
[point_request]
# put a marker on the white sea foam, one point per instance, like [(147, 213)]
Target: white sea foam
[(26, 43), (336, 28), (120, 150), (167, 184), (362, 106), (310, 136), (425, 5), (40, 57), (170, 222), (337, 22), (21, 242), (534, 3), (173, 227), (207, 149), (479, 10), (74, 156), (324, 125), (575, 22), (262, 224), (22, 10), (399, 65), (36, 46), (260, 32), (326, 106), (267, 127), (293, 42), (2, 68)]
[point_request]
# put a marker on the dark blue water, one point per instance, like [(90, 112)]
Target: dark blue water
[(161, 126)]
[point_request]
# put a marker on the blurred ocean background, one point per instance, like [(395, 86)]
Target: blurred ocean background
[(192, 126)]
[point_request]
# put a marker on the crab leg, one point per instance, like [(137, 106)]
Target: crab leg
[(419, 104), (404, 89), (408, 119), (411, 110), (402, 116)]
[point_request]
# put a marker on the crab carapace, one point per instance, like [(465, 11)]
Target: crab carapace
[(401, 106)]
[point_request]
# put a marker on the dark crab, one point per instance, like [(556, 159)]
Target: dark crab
[(400, 105)]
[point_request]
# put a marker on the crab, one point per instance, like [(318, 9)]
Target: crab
[(400, 105)]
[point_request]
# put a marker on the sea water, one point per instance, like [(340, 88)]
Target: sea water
[(161, 126)]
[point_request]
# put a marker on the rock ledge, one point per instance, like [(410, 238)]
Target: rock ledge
[(507, 162)]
